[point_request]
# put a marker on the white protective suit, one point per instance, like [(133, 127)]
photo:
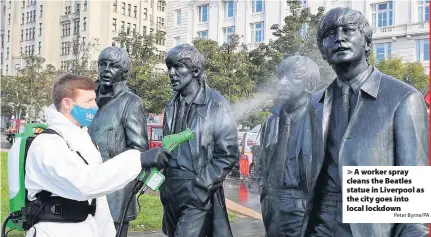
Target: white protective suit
[(51, 165)]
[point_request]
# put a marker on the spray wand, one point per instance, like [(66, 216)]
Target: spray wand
[(151, 177)]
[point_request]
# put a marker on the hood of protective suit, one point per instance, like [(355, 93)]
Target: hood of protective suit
[(77, 138)]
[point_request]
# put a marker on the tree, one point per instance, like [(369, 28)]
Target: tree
[(29, 91), (227, 67), (412, 73), (152, 86), (296, 37)]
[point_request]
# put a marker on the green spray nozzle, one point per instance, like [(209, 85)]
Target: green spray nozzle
[(171, 142), (152, 177)]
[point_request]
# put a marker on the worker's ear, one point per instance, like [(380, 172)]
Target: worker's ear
[(67, 104)]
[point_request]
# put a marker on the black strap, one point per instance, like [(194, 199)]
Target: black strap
[(43, 195)]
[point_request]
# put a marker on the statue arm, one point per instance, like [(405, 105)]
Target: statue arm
[(225, 154), (262, 159), (412, 148), (136, 127), (411, 131)]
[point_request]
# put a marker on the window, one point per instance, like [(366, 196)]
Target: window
[(129, 9), (161, 6), (23, 3), (85, 5), (26, 50), (123, 8), (2, 41), (114, 24), (20, 51), (22, 18), (423, 10), (228, 9), (382, 14), (40, 28), (128, 28), (8, 20), (177, 41), (34, 31), (7, 69), (257, 32), (7, 53), (10, 4), (27, 17), (122, 26), (423, 50), (32, 50), (26, 34), (382, 51), (29, 34), (257, 5), (135, 11), (1, 57), (40, 47), (31, 16), (68, 10), (134, 29), (227, 34), (41, 10), (203, 13), (178, 17), (145, 13), (115, 5), (34, 16), (75, 27), (22, 35), (144, 31), (78, 8), (84, 24), (203, 34), (303, 3)]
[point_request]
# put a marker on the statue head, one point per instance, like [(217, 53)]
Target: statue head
[(344, 36), (114, 66), (185, 64), (298, 77)]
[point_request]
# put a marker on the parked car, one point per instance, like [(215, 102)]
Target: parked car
[(248, 159)]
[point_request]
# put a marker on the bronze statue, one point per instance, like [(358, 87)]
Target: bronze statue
[(365, 118), (119, 124), (192, 194), (287, 147)]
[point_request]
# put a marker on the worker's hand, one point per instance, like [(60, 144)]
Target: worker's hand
[(155, 157)]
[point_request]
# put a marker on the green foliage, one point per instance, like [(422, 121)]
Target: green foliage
[(412, 73), (29, 91), (227, 68), (289, 41), (152, 86)]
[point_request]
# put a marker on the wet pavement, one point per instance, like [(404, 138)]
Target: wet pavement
[(241, 227), (4, 144), (245, 193)]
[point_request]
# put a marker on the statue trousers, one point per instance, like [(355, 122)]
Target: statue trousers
[(283, 212), (327, 217), (183, 216)]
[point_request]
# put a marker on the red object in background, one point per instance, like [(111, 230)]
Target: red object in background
[(244, 165), (428, 94), (155, 135), (243, 193)]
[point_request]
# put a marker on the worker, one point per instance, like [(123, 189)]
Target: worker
[(68, 167)]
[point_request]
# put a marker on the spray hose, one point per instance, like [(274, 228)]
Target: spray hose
[(151, 177), (13, 215)]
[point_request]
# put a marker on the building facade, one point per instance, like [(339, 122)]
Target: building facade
[(400, 26), (51, 29)]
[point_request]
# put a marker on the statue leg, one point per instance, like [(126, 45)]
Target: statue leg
[(125, 228), (292, 212)]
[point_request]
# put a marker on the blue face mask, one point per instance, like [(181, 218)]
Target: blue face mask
[(83, 116)]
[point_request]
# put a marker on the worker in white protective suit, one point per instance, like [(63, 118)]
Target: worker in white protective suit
[(54, 163)]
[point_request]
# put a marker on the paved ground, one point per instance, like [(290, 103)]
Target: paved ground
[(241, 227), (243, 192), (4, 144)]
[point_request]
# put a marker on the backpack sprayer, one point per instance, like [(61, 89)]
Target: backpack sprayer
[(16, 173), (151, 177)]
